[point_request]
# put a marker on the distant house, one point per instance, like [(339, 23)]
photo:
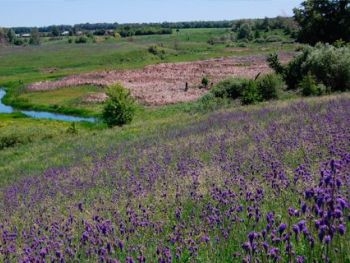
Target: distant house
[(65, 33), (110, 32), (25, 35)]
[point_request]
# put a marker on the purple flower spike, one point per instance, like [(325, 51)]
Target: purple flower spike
[(327, 239), (43, 252), (341, 229), (342, 203), (295, 229), (274, 253), (300, 259), (281, 228), (302, 225), (303, 208), (266, 246), (338, 213), (205, 239), (252, 236), (247, 247)]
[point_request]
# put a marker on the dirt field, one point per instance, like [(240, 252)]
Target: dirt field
[(165, 83)]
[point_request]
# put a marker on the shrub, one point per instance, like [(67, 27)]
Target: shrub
[(259, 40), (205, 82), (251, 93), (81, 40), (156, 50), (18, 42), (119, 108), (293, 72), (209, 102), (273, 38), (230, 88), (245, 32), (275, 64), (308, 85), (269, 86), (329, 65), (9, 141)]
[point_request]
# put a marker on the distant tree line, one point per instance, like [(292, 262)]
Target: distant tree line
[(9, 36), (138, 31), (145, 27), (251, 29), (150, 28), (245, 29)]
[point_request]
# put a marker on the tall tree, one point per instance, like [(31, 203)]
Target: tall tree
[(55, 31), (245, 32), (323, 21), (11, 35), (2, 35), (34, 37)]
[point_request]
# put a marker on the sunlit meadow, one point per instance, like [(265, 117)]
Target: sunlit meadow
[(261, 184)]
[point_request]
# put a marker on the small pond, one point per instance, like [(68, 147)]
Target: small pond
[(41, 114)]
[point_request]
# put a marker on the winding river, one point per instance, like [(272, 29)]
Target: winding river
[(41, 114)]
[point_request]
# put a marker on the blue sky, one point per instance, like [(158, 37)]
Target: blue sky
[(49, 12)]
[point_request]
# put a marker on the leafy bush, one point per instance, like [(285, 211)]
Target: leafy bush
[(205, 82), (81, 40), (245, 32), (18, 42), (119, 108), (328, 64), (251, 93), (209, 102), (309, 86), (275, 64), (269, 86), (259, 40), (273, 38), (230, 88), (11, 140), (156, 50)]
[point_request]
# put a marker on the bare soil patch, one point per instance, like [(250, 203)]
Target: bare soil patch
[(165, 83), (95, 97)]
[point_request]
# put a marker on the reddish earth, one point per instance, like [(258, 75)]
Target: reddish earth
[(96, 97), (165, 83)]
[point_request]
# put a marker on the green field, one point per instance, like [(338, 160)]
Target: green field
[(54, 59), (176, 142), (57, 58)]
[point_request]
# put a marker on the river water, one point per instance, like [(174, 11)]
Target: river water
[(41, 114)]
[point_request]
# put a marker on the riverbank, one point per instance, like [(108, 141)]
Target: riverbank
[(41, 114)]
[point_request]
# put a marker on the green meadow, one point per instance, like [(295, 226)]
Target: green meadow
[(205, 181), (56, 58)]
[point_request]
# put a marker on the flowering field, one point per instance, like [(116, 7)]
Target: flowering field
[(264, 184)]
